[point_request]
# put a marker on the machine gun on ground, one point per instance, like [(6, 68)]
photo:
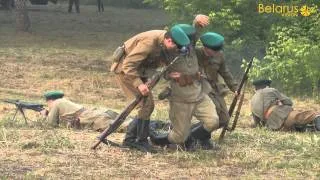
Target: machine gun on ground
[(21, 105)]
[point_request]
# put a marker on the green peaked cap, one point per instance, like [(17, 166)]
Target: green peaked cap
[(262, 82), (187, 28), (53, 95), (212, 40), (179, 36)]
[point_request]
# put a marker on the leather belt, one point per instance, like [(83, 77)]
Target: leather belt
[(268, 112), (188, 79)]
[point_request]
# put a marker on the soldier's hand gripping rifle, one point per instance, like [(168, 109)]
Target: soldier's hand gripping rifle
[(21, 105), (122, 116), (235, 100)]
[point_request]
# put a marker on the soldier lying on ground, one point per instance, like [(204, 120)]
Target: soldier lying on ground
[(274, 110), (64, 111)]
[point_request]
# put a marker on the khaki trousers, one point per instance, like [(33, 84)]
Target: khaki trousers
[(99, 120), (146, 106), (221, 108), (181, 114), (298, 118)]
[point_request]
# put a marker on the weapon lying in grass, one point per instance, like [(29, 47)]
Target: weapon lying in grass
[(235, 100), (21, 105), (122, 116)]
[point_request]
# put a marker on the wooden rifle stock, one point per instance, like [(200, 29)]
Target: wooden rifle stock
[(124, 114), (235, 100)]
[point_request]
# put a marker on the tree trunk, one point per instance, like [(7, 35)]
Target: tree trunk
[(22, 17)]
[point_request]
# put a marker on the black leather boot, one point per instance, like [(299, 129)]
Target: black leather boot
[(300, 128), (317, 123), (190, 144), (142, 143), (159, 139), (204, 137), (131, 134)]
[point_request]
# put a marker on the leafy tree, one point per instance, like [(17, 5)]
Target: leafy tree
[(238, 21), (292, 57), (288, 47)]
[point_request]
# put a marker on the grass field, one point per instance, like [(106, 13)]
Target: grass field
[(70, 52)]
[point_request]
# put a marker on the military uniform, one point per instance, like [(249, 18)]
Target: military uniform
[(212, 67), (140, 56), (274, 110), (65, 111), (188, 98)]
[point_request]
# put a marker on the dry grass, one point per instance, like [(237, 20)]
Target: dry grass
[(69, 52)]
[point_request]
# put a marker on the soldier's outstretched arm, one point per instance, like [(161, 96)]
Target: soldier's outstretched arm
[(283, 98), (227, 76), (200, 21)]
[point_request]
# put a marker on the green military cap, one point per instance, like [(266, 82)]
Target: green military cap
[(262, 82), (179, 36), (212, 40), (188, 29), (53, 95)]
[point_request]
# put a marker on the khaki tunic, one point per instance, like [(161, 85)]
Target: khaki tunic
[(65, 111), (190, 100), (142, 57), (282, 117), (212, 68), (188, 65)]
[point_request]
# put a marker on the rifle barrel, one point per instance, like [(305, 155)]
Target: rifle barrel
[(236, 117), (235, 100)]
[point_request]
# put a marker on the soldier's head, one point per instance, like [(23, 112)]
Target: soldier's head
[(213, 43), (175, 38), (51, 96), (261, 83)]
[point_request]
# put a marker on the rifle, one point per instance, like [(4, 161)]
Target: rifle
[(236, 117), (235, 100), (122, 116), (21, 105)]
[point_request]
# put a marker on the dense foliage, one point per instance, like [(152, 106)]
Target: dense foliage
[(285, 44)]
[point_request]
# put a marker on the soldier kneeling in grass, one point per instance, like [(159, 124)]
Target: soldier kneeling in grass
[(274, 110)]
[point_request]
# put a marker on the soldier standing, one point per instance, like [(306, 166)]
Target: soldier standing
[(212, 63), (135, 62), (274, 110), (77, 5)]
